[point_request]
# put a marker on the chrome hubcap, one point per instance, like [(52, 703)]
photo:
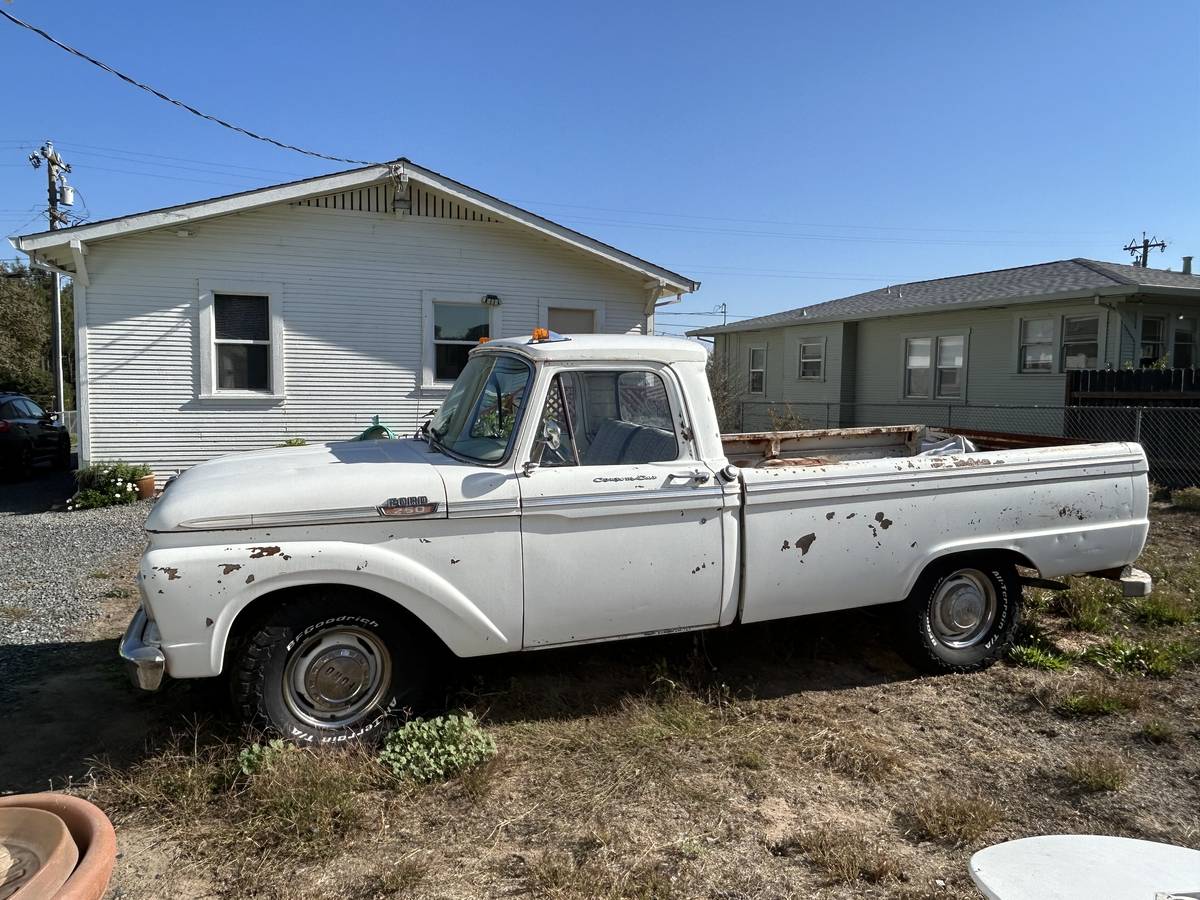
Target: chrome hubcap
[(333, 677), (963, 609)]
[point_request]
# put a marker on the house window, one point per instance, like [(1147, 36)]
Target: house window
[(812, 360), (1183, 355), (916, 367), (1153, 340), (1081, 343), (242, 341), (457, 327), (950, 366), (1037, 345), (567, 320), (758, 369)]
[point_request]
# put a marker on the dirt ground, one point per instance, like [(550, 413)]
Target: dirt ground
[(764, 762)]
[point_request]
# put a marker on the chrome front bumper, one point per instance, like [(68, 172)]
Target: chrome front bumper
[(143, 657)]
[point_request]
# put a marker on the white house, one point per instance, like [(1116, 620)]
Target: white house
[(303, 309)]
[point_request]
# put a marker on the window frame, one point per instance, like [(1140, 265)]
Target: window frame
[(207, 331), (1053, 344), (1063, 342), (750, 370), (935, 336), (429, 345), (819, 343), (1194, 319), (1165, 340), (936, 383)]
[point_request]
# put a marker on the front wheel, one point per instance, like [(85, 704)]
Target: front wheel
[(963, 613), (328, 668)]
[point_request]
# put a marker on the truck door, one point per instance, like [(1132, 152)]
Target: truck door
[(621, 526)]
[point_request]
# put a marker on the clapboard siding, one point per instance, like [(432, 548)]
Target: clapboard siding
[(352, 283)]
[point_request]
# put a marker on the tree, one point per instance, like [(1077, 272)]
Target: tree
[(726, 387), (26, 348)]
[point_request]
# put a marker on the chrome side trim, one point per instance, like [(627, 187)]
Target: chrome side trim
[(301, 517), (477, 509)]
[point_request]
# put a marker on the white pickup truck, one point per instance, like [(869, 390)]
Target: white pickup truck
[(578, 489)]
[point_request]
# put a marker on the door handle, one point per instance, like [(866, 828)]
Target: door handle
[(697, 476)]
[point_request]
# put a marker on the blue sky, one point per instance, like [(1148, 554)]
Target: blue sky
[(782, 154)]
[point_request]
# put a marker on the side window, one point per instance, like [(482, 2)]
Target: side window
[(8, 411), (32, 409), (606, 419)]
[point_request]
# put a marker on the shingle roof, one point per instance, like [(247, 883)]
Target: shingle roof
[(1024, 283)]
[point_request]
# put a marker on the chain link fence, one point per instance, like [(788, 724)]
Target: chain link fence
[(1169, 434)]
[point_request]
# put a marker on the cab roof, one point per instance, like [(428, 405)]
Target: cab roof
[(602, 347)]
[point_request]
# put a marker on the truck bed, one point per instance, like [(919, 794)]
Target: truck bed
[(822, 446)]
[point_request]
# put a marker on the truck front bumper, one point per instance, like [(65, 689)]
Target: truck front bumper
[(1134, 582), (143, 656)]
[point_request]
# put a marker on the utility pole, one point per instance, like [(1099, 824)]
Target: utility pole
[(1141, 251), (57, 190), (723, 309)]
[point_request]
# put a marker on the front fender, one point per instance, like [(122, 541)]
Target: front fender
[(195, 594)]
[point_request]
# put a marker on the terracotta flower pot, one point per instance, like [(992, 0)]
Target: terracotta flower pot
[(93, 835), (145, 487), (37, 853)]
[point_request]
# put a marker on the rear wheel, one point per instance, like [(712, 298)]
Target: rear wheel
[(328, 667), (963, 613)]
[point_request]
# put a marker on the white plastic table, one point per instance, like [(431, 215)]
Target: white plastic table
[(1086, 867)]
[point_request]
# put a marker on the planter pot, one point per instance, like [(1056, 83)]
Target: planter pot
[(145, 487), (92, 833), (37, 853)]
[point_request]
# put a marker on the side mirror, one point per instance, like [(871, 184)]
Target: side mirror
[(552, 434)]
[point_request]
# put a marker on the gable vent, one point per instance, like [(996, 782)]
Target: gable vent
[(377, 199), (434, 205)]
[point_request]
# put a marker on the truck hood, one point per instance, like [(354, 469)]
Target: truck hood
[(318, 484)]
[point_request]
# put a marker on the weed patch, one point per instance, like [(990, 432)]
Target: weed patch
[(425, 750), (1157, 732), (1154, 658), (844, 855), (857, 754), (562, 876), (1086, 605), (1035, 657), (953, 816), (1099, 698), (1097, 772), (1163, 607), (1187, 498)]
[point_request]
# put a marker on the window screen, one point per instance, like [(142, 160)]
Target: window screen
[(1037, 345), (242, 338), (916, 367), (1081, 347)]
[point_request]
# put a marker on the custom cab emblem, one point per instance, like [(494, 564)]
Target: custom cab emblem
[(407, 506), (602, 479)]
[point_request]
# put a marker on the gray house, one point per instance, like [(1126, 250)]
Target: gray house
[(952, 350)]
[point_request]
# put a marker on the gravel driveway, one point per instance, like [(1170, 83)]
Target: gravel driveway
[(58, 566)]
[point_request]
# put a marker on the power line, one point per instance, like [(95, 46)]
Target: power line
[(184, 106)]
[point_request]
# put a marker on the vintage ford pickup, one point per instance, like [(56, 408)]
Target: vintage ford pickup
[(578, 489)]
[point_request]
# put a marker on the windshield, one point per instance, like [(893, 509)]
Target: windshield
[(479, 417)]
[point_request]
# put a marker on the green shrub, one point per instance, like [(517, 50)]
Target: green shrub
[(1036, 657), (427, 750), (260, 757), (1085, 604), (1163, 607), (1098, 771), (106, 484), (1187, 498), (1157, 659)]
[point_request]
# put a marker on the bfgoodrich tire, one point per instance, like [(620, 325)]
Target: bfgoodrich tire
[(328, 667), (962, 614)]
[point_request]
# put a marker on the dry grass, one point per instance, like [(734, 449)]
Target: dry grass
[(13, 613), (844, 855), (1087, 605), (561, 875), (1091, 697), (1157, 731), (953, 815), (1098, 771), (857, 754)]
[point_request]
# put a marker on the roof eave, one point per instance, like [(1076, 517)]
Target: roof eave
[(1117, 290), (668, 282)]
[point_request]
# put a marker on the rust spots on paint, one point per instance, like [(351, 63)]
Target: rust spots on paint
[(260, 552), (787, 545), (170, 571), (803, 543), (208, 623), (829, 516), (884, 523), (228, 568), (249, 579)]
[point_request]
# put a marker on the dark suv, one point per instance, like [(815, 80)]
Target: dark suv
[(28, 435)]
